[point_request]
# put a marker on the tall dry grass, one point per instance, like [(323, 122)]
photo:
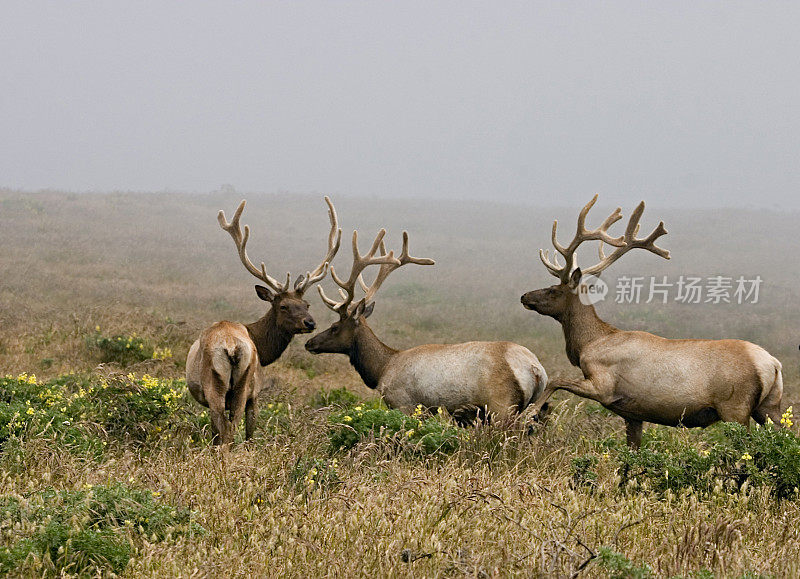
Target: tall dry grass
[(504, 504)]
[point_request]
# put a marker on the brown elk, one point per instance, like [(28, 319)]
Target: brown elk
[(640, 376), (470, 378), (221, 369)]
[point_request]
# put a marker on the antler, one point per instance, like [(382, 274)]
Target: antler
[(302, 283), (241, 245), (388, 268), (360, 262), (623, 244), (334, 240)]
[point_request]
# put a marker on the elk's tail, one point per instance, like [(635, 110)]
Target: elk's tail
[(229, 361)]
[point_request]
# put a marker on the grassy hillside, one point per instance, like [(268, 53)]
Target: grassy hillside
[(78, 271)]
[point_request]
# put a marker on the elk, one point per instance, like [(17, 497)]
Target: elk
[(640, 376), (491, 378), (222, 368)]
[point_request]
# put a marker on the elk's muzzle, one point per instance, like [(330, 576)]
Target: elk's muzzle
[(529, 300)]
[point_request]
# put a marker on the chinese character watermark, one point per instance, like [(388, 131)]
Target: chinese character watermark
[(718, 289)]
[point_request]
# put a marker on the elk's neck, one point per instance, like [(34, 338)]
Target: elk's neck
[(582, 326), (270, 341), (368, 355)]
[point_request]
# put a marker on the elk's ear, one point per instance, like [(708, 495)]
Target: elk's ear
[(363, 309), (265, 293), (368, 310), (575, 278)]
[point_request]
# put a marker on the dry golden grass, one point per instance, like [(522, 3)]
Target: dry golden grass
[(502, 505)]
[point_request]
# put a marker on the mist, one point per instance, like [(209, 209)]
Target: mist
[(683, 104)]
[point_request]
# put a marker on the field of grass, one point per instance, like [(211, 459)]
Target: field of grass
[(104, 460)]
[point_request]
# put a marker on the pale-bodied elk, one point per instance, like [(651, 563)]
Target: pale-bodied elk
[(498, 378), (222, 369), (640, 376)]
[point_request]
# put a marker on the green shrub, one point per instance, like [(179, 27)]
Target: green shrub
[(310, 474), (412, 433), (341, 397), (729, 455), (81, 412), (123, 350), (274, 417), (619, 566), (582, 473), (85, 532)]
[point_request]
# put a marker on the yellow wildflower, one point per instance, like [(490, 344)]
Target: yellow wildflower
[(746, 456), (348, 419), (159, 353), (786, 419)]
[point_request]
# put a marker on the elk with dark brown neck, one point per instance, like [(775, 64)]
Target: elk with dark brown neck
[(640, 376), (221, 369), (494, 378)]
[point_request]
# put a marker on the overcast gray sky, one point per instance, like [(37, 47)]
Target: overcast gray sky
[(535, 101)]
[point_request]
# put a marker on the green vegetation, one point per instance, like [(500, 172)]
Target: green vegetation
[(728, 456), (83, 413), (414, 433), (85, 532), (315, 495), (125, 350), (619, 566)]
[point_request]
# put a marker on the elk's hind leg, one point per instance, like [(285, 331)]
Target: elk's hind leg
[(240, 393), (586, 388), (770, 408), (215, 388), (633, 433), (250, 413)]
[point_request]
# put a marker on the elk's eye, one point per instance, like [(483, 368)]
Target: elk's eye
[(284, 308)]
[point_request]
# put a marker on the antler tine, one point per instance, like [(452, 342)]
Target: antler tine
[(581, 234), (360, 262), (334, 241), (406, 258), (235, 231), (388, 268), (553, 268), (332, 304), (630, 241)]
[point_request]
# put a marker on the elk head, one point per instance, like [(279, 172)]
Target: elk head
[(289, 311), (339, 338), (557, 300)]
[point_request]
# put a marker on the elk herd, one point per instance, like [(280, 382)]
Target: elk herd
[(638, 376)]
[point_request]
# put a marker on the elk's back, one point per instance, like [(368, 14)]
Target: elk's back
[(498, 375)]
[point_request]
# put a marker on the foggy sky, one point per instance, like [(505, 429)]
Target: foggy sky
[(519, 101)]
